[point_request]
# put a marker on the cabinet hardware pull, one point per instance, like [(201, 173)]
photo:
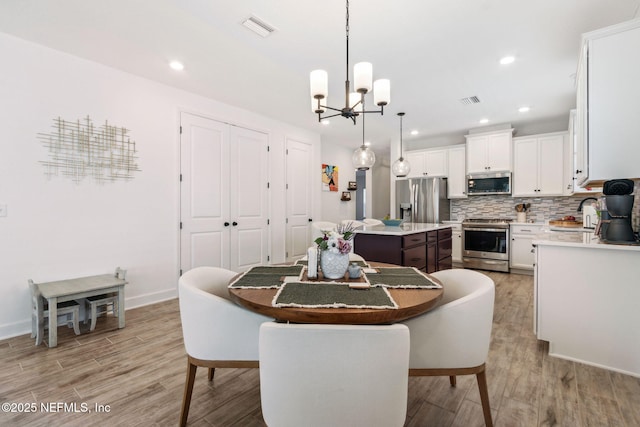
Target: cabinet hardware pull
[(226, 224), (234, 223)]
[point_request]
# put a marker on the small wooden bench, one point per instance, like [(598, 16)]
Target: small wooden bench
[(82, 287)]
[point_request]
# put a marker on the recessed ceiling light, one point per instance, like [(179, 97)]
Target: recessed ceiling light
[(507, 60), (176, 65), (414, 132), (484, 121), (524, 109)]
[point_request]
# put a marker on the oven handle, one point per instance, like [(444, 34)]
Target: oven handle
[(484, 229), (485, 260)]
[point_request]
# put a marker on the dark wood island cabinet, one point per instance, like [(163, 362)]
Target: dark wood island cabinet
[(427, 248)]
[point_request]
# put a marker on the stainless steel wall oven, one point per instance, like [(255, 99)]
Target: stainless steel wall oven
[(486, 244)]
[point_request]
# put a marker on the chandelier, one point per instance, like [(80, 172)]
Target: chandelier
[(401, 167), (353, 101)]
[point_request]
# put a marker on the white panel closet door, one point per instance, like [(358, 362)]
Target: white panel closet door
[(299, 180), (224, 201), (248, 199), (204, 193)]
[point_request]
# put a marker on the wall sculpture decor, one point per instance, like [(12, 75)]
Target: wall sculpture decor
[(80, 149)]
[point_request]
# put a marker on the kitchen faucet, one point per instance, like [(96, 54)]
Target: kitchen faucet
[(584, 200)]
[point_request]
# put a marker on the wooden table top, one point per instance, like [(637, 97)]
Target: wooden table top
[(411, 303)]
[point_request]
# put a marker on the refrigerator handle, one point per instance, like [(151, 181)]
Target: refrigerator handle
[(434, 200), (414, 201)]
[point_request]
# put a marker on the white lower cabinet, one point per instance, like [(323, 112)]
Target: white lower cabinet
[(522, 253), (456, 243)]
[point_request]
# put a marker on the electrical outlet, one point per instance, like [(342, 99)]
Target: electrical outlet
[(3, 210)]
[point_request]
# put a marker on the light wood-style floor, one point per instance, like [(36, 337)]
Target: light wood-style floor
[(137, 375)]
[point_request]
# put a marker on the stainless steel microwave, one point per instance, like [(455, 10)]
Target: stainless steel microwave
[(483, 184)]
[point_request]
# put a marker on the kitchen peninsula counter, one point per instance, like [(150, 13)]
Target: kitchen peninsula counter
[(586, 297), (426, 246)]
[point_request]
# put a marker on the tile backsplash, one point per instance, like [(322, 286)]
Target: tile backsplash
[(542, 208)]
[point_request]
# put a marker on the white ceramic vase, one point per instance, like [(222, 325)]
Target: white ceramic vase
[(334, 266)]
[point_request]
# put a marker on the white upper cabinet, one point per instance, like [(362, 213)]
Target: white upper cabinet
[(457, 182), (538, 168), (427, 163), (489, 152), (608, 85)]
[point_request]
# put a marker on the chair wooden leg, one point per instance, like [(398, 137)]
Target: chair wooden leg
[(188, 390), (452, 380), (210, 373), (484, 398)]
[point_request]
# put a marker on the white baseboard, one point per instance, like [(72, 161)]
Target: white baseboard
[(22, 327)]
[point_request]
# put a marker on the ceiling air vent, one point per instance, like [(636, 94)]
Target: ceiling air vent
[(470, 100), (258, 26)]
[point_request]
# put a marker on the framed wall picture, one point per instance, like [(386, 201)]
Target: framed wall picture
[(346, 196), (329, 178), (353, 185)]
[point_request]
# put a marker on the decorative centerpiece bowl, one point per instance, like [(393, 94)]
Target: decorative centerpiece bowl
[(392, 222)]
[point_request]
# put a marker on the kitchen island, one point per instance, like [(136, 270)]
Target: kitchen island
[(586, 296), (426, 246)]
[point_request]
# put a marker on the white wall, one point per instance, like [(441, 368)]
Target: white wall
[(332, 208), (57, 229)]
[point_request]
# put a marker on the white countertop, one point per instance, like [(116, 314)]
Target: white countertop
[(402, 229), (587, 240)]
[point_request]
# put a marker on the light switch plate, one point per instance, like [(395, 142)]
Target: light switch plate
[(3, 210)]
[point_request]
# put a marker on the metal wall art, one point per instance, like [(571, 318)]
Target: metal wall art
[(79, 149)]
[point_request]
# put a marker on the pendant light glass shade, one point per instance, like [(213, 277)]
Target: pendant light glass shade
[(401, 167), (363, 158)]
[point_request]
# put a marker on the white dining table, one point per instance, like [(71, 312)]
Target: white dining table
[(82, 287)]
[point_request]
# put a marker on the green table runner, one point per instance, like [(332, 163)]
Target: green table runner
[(264, 277), (331, 295), (401, 277)]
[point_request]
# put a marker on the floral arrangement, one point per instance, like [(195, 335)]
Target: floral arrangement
[(337, 242)]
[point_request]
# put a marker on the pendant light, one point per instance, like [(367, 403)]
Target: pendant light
[(401, 167), (363, 158)]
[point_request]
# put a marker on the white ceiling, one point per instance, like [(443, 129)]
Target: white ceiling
[(434, 53)]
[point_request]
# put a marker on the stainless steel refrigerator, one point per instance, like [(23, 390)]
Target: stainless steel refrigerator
[(422, 200)]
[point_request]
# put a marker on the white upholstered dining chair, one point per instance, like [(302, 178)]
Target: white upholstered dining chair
[(453, 338), (372, 221), (354, 223), (217, 332), (333, 375), (317, 227), (40, 312)]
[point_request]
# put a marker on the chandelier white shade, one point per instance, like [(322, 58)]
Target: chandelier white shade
[(354, 101), (401, 167)]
